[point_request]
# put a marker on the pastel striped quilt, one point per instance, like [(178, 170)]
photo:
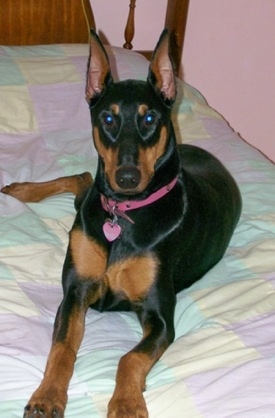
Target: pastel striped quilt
[(222, 362)]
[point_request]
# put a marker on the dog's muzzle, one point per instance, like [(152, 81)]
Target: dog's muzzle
[(128, 177)]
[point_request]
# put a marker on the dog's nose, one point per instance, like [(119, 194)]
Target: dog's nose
[(128, 177)]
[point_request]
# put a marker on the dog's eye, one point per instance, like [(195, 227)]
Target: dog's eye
[(148, 124), (108, 119), (149, 119)]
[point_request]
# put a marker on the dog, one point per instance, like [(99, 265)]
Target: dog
[(155, 219)]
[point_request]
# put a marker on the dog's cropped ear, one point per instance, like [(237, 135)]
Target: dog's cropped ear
[(161, 72), (98, 74)]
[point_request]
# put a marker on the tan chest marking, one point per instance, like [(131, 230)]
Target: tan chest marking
[(133, 276), (89, 258)]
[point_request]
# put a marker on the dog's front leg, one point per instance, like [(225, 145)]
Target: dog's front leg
[(158, 329), (83, 285), (49, 400)]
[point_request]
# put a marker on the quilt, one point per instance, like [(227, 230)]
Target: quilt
[(222, 362)]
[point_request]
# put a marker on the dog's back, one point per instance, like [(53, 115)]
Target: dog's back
[(212, 210)]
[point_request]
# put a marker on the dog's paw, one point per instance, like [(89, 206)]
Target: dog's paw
[(18, 190), (42, 411), (46, 403), (133, 407)]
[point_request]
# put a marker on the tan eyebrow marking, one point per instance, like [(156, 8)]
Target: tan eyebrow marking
[(115, 109), (142, 109)]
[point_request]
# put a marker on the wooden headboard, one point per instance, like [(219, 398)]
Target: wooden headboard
[(30, 22)]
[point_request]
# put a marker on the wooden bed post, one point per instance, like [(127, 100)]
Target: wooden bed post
[(88, 13), (130, 26), (175, 21)]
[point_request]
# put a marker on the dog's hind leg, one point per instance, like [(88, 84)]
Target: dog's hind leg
[(35, 192)]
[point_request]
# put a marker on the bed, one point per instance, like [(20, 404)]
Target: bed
[(222, 362)]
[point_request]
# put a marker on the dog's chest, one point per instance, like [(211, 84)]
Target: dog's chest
[(131, 276)]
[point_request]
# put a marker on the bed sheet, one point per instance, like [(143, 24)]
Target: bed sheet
[(222, 362)]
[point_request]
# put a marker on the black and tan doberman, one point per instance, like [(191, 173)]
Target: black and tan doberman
[(156, 218)]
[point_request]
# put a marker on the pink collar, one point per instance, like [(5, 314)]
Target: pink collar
[(111, 228)]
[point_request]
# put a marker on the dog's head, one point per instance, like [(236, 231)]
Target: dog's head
[(131, 118)]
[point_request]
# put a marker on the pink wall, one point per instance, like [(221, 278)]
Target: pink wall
[(229, 55)]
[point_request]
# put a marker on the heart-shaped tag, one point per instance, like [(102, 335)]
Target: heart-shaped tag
[(111, 230)]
